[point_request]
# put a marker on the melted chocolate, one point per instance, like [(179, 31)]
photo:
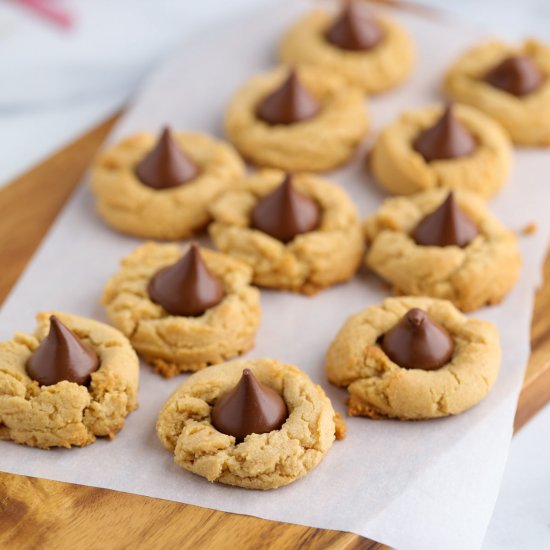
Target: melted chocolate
[(285, 212), (354, 29), (166, 165), (447, 225), (518, 75), (249, 408), (446, 139), (186, 288), (62, 356), (418, 342), (290, 103)]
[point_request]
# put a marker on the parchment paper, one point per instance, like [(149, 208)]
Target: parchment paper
[(416, 485)]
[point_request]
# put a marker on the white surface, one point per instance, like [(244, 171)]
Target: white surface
[(522, 515), (411, 485), (509, 19), (55, 83)]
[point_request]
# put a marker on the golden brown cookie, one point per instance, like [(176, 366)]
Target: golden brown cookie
[(261, 461), (374, 70), (173, 343), (478, 274), (322, 142), (379, 388), (527, 117), (401, 170), (308, 263), (66, 414), (132, 207)]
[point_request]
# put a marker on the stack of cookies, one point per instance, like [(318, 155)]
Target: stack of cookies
[(280, 225)]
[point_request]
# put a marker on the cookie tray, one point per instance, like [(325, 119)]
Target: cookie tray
[(22, 229)]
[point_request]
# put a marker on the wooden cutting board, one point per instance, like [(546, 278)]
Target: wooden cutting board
[(38, 513)]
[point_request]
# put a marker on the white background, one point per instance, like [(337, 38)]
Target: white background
[(56, 83)]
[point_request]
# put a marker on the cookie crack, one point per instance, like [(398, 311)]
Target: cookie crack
[(456, 377)]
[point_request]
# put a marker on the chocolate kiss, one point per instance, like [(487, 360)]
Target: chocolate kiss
[(418, 342), (518, 75), (285, 212), (288, 104), (446, 139), (354, 29), (186, 288), (447, 225), (249, 408), (62, 356), (166, 165)]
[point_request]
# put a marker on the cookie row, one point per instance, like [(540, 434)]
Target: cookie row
[(164, 188), (256, 424), (302, 233)]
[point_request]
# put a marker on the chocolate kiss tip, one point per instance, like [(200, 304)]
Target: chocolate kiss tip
[(289, 103), (186, 288), (517, 75), (418, 342), (447, 225), (62, 356), (166, 165), (415, 316), (285, 212), (354, 30), (249, 408), (446, 139)]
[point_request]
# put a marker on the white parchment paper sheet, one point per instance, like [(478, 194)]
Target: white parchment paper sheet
[(416, 485)]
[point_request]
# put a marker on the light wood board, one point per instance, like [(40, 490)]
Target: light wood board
[(39, 513)]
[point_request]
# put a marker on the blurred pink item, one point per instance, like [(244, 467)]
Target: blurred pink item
[(45, 9)]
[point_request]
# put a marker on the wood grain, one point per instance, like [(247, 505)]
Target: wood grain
[(37, 513), (535, 392)]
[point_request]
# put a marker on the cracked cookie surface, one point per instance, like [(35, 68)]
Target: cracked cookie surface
[(323, 142), (311, 261), (481, 273), (174, 344), (379, 388), (66, 413), (373, 71), (261, 461), (401, 170), (130, 206), (527, 118)]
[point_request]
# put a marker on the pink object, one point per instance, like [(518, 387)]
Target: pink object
[(44, 9)]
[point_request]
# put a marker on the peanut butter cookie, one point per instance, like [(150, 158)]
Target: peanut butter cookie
[(380, 388), (191, 170), (265, 460), (303, 120), (478, 159), (59, 412), (302, 236), (372, 53), (477, 270), (509, 83), (183, 312)]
